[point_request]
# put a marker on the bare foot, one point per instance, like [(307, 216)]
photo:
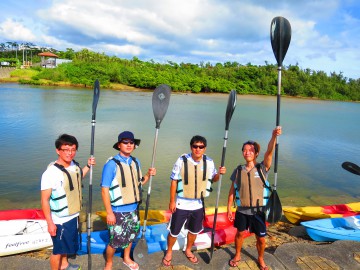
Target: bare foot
[(262, 264)]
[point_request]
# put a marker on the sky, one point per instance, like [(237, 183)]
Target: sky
[(325, 33)]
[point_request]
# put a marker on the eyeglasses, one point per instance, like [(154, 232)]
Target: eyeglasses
[(127, 141), (198, 146), (68, 151)]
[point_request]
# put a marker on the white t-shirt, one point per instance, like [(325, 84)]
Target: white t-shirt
[(53, 179), (185, 203)]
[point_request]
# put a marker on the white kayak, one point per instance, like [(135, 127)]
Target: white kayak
[(22, 235)]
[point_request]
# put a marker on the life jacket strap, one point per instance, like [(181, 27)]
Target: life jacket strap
[(123, 183), (61, 168), (205, 168), (262, 177), (186, 180)]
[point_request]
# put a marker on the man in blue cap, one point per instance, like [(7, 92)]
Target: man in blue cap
[(121, 187)]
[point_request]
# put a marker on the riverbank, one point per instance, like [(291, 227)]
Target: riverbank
[(7, 77), (25, 77)]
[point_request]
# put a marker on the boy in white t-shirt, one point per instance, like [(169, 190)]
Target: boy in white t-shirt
[(61, 197), (191, 180)]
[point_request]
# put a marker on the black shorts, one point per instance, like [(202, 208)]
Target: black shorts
[(192, 219), (253, 223), (66, 240)]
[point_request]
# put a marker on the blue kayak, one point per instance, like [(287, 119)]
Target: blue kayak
[(155, 236), (332, 229)]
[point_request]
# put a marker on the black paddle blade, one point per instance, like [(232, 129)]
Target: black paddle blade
[(160, 102), (95, 98), (280, 35), (140, 251), (230, 108), (351, 167), (274, 208)]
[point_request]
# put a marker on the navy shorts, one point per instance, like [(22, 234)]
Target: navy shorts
[(253, 223), (193, 220), (66, 240)]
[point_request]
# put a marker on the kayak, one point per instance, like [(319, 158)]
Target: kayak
[(21, 214), (332, 229), (154, 216), (162, 216), (156, 237), (298, 214), (22, 235)]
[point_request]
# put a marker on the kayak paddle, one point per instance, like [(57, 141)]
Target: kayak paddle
[(229, 112), (351, 167), (280, 35), (94, 105), (160, 104)]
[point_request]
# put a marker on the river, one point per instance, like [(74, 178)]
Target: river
[(317, 137)]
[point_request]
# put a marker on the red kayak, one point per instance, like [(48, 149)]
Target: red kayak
[(21, 214)]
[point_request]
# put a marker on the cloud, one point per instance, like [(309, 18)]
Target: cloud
[(323, 31), (15, 30)]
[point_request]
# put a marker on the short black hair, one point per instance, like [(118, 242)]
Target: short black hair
[(66, 139), (255, 144), (198, 138)]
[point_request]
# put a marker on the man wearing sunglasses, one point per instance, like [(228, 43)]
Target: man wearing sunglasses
[(191, 180), (121, 188), (249, 189)]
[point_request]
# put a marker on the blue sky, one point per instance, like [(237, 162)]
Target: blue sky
[(325, 33)]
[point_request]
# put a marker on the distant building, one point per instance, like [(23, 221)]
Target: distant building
[(48, 59)]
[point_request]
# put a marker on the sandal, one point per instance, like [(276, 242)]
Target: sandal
[(234, 263), (192, 258), (166, 262), (132, 266), (264, 267)]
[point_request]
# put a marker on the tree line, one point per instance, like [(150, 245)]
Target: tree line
[(86, 66)]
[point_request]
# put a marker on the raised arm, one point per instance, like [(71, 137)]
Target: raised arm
[(271, 146)]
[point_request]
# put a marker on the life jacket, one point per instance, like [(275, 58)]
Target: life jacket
[(199, 185), (251, 188), (126, 186), (67, 200)]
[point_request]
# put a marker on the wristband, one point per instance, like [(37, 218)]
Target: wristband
[(87, 165)]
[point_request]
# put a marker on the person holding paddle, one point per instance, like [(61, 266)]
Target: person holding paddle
[(249, 189), (121, 188), (61, 200), (191, 180)]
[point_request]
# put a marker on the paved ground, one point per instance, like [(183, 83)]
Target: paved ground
[(338, 255)]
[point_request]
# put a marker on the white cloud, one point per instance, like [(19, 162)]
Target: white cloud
[(323, 31), (14, 30)]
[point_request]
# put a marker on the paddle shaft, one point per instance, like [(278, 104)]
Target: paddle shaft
[(94, 105), (277, 124), (218, 194), (90, 195), (150, 182)]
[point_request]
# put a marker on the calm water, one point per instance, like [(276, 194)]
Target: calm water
[(317, 137)]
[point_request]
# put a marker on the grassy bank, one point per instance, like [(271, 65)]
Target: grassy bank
[(25, 76)]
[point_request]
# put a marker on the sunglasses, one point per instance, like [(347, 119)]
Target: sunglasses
[(198, 146), (127, 141)]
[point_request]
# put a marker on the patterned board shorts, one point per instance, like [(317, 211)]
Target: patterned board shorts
[(125, 230)]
